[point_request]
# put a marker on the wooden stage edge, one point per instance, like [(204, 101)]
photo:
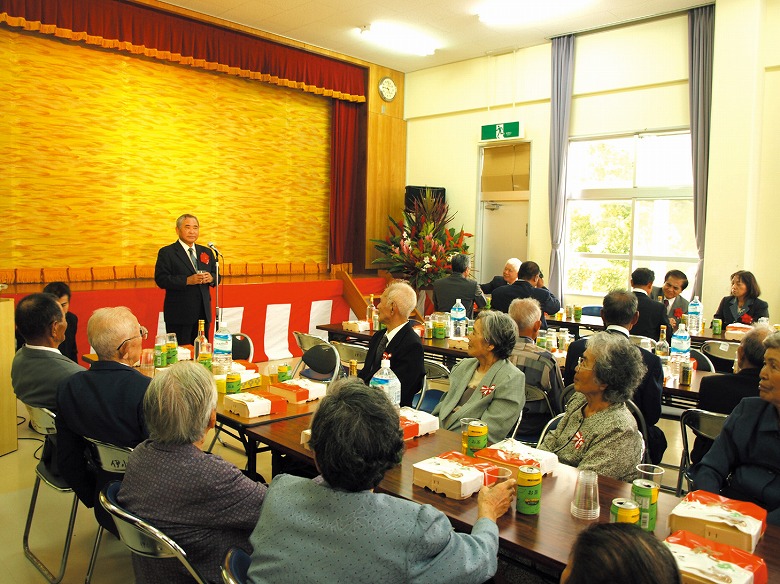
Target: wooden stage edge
[(29, 288)]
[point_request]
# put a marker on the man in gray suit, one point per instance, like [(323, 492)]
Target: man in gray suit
[(675, 282), (458, 286), (39, 367)]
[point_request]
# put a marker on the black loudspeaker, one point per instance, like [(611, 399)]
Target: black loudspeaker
[(413, 193)]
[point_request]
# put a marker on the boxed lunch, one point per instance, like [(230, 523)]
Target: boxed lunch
[(456, 475), (702, 561), (512, 454), (735, 523), (298, 391), (416, 423), (356, 326), (252, 405)]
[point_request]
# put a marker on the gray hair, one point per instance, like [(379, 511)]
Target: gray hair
[(402, 295), (616, 363), (108, 327), (183, 218), (500, 331), (179, 402), (515, 263), (752, 344), (355, 436), (619, 307), (772, 341), (460, 263), (525, 312)]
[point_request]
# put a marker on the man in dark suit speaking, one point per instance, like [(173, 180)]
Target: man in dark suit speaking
[(652, 314), (185, 271)]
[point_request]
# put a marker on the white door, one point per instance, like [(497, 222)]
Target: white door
[(503, 234)]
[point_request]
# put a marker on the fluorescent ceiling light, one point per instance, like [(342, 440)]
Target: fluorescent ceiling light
[(399, 38), (506, 13)]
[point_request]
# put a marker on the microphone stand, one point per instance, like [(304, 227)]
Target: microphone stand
[(217, 280)]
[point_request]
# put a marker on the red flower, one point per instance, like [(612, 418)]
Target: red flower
[(677, 312), (746, 319), (486, 391), (387, 355), (205, 258)]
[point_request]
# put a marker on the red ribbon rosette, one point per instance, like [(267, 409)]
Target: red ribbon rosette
[(387, 355), (487, 390), (746, 319), (205, 258), (677, 312)]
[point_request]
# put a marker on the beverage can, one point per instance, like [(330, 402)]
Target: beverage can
[(476, 437), (283, 372), (623, 511), (233, 383), (577, 313), (686, 373), (529, 490), (569, 312), (717, 326), (205, 360), (645, 493), (160, 355), (353, 367)]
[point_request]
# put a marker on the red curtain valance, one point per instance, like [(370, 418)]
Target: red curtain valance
[(154, 33)]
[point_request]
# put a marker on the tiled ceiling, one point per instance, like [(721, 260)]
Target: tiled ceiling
[(331, 24)]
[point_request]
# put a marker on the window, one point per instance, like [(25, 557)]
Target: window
[(630, 205)]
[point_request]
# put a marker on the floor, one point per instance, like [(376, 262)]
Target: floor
[(113, 564)]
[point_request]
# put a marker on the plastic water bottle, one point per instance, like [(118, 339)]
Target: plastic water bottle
[(222, 357), (387, 381), (458, 319), (681, 348), (695, 310)]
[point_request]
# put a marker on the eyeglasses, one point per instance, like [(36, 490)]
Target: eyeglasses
[(581, 364), (142, 333)]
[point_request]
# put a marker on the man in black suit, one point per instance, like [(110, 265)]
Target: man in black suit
[(104, 403), (456, 286), (530, 284), (652, 314), (62, 291), (509, 276), (722, 393), (400, 341), (185, 271), (619, 313), (675, 282)]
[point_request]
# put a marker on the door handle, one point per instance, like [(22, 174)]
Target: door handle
[(492, 206)]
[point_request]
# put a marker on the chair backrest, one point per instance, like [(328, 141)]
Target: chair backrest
[(566, 394), (702, 361), (427, 399), (703, 424), (323, 360), (591, 310), (306, 341), (641, 425), (549, 427), (141, 537), (42, 420), (349, 352), (721, 353), (637, 340), (109, 457), (243, 347), (533, 394), (235, 566), (435, 370)]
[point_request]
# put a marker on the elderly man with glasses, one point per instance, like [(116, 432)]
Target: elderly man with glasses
[(104, 403)]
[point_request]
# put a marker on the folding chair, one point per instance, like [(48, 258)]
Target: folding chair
[(305, 341), (141, 537), (109, 458), (703, 424), (703, 362), (637, 340), (642, 426), (243, 347), (435, 370), (323, 361), (349, 352), (721, 353), (591, 310), (235, 567), (427, 398), (551, 425), (42, 421), (532, 394)]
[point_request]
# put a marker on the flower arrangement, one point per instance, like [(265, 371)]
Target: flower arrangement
[(420, 246)]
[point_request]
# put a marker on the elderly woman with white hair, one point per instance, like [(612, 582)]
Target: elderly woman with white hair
[(202, 502), (598, 432), (399, 341)]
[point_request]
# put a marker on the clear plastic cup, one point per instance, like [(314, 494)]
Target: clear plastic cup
[(147, 362), (585, 504), (650, 472)]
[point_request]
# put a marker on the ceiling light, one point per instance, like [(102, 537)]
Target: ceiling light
[(505, 13), (399, 38)]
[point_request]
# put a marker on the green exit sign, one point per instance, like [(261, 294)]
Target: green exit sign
[(499, 131)]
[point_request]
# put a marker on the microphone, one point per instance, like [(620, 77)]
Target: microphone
[(214, 247)]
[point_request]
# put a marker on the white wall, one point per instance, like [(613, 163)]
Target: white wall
[(629, 79)]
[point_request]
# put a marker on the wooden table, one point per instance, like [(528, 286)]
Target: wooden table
[(545, 539), (593, 323), (685, 396)]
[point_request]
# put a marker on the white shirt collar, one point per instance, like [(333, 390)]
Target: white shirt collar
[(617, 327), (391, 333), (185, 246), (640, 290), (41, 348)]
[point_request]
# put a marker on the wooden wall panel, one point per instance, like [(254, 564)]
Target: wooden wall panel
[(100, 152)]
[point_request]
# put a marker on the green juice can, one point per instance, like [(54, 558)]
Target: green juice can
[(529, 490), (624, 511), (476, 437), (160, 355), (645, 493), (233, 383)]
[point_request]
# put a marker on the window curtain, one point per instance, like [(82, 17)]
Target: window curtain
[(701, 37), (348, 184), (560, 113)]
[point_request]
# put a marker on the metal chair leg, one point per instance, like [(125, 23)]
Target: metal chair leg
[(93, 558), (68, 536), (217, 430)]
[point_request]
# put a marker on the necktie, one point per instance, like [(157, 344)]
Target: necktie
[(192, 258), (380, 350), (666, 302)]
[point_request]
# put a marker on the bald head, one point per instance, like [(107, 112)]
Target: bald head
[(112, 328)]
